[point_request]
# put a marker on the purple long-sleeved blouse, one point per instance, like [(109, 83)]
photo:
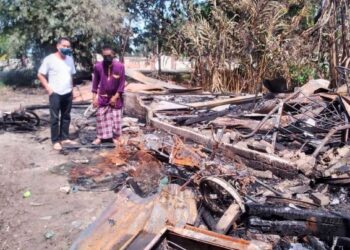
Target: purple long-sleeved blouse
[(107, 81)]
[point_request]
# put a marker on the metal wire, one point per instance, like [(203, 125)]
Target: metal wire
[(344, 75), (303, 130)]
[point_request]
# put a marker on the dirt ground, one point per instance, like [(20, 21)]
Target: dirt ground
[(25, 166)]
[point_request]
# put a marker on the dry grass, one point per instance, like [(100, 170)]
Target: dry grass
[(245, 41)]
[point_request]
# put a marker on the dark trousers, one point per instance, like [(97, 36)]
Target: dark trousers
[(60, 107)]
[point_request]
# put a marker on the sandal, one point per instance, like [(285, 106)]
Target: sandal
[(57, 146), (69, 142), (97, 141)]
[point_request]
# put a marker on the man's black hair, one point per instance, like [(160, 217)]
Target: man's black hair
[(107, 47), (62, 38)]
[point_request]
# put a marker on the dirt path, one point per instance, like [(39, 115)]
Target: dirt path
[(25, 165)]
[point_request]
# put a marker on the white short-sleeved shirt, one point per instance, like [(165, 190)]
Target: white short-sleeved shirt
[(59, 73)]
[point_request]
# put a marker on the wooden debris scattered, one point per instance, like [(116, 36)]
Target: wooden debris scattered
[(196, 238), (228, 219), (320, 199), (297, 222), (212, 152), (184, 155), (138, 220), (138, 76), (234, 100)]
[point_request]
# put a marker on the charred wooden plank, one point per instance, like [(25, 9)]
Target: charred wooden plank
[(334, 181), (215, 103), (133, 106), (208, 219), (296, 228), (138, 76), (100, 146), (288, 213), (228, 219), (205, 117), (134, 216), (135, 187), (253, 159), (197, 238), (262, 161), (297, 222), (262, 146), (276, 170), (285, 201)]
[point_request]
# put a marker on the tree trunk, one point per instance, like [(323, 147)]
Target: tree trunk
[(122, 50), (344, 32), (159, 49), (24, 63), (333, 49)]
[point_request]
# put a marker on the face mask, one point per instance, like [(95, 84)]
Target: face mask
[(66, 51), (107, 60)]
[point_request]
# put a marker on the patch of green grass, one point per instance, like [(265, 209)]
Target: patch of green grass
[(301, 74)]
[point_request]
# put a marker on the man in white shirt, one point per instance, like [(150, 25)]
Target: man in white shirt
[(55, 75)]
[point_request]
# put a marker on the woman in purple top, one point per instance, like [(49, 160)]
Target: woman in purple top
[(107, 88)]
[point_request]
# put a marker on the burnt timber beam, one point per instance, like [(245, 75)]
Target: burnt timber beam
[(253, 159), (296, 222)]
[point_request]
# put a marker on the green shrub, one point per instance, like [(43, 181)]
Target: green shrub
[(300, 74)]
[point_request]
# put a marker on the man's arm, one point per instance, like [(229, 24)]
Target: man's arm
[(73, 71), (121, 86), (121, 80), (43, 71), (45, 83), (76, 92), (95, 84)]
